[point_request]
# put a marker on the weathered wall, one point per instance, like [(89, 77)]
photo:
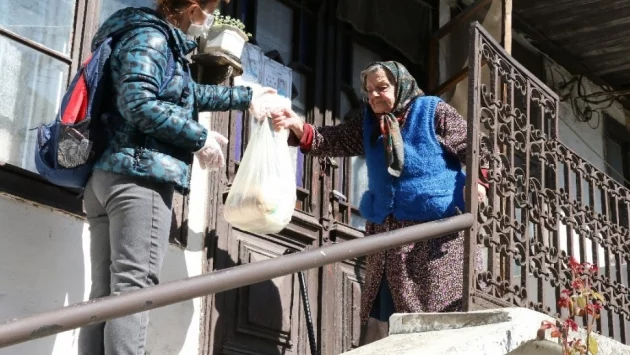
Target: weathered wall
[(45, 263), (585, 138)]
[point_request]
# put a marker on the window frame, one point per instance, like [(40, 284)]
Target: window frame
[(347, 37), (24, 184), (620, 134), (247, 12)]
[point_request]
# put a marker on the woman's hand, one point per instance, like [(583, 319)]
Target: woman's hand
[(287, 118), (211, 155)]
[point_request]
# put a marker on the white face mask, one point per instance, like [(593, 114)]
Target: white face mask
[(196, 30)]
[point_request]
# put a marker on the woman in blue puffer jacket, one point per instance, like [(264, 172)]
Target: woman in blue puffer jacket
[(154, 134)]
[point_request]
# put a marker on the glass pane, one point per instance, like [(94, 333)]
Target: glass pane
[(358, 222), (614, 159), (238, 136), (299, 105), (359, 186), (345, 106), (359, 179), (46, 22), (307, 38), (297, 156), (108, 7), (274, 28), (30, 91), (299, 81), (361, 58)]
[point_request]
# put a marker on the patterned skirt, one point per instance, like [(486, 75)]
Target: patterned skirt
[(417, 278)]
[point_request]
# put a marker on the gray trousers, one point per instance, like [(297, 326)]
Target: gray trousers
[(130, 221)]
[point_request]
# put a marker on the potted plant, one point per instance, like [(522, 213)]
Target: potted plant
[(580, 300), (227, 34)]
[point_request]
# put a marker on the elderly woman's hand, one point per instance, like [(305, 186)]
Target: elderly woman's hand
[(287, 118)]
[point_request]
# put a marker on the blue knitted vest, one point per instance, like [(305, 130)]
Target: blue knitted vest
[(432, 181)]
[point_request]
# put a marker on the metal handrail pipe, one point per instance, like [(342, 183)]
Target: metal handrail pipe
[(99, 310)]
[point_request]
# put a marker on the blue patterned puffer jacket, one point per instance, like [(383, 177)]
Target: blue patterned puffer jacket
[(154, 133)]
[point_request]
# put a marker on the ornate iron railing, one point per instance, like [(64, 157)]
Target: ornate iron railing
[(545, 203)]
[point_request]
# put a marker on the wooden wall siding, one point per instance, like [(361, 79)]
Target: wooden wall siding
[(268, 318)]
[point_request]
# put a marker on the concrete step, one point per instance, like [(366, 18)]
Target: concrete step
[(491, 332)]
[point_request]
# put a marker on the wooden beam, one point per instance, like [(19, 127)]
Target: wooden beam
[(35, 45), (434, 42), (507, 25), (452, 82), (463, 16)]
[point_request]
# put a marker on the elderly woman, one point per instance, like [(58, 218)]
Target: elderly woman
[(414, 147)]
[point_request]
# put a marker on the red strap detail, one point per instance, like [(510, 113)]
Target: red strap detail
[(306, 143), (76, 109)]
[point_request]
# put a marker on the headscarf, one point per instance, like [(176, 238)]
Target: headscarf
[(406, 91)]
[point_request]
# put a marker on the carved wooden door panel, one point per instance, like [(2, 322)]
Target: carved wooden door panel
[(268, 317)]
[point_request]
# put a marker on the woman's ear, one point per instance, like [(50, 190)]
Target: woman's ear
[(191, 12)]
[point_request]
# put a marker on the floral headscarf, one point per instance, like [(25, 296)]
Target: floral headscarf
[(406, 91)]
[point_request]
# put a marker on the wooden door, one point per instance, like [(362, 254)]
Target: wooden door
[(267, 318)]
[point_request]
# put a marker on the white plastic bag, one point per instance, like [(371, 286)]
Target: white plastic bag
[(262, 197)]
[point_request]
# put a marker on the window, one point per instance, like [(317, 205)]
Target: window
[(108, 7), (36, 60), (352, 173), (617, 145), (274, 28), (39, 51), (356, 52), (35, 45), (286, 34)]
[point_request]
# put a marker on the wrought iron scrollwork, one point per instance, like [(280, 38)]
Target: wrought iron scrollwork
[(545, 202)]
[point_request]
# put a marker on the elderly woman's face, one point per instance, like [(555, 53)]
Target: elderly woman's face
[(381, 92)]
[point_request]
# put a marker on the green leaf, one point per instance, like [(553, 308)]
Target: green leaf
[(593, 348), (581, 302), (599, 297)]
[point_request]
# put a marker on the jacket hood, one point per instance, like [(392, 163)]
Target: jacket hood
[(131, 18)]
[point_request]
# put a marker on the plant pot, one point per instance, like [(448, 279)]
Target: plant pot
[(226, 38)]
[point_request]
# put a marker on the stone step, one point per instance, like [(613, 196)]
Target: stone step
[(490, 332)]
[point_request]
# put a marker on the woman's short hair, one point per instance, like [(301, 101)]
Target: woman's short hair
[(170, 9)]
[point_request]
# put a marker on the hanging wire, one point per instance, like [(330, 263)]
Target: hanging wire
[(597, 154), (583, 112)]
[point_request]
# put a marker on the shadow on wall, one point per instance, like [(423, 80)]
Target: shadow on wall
[(42, 262), (168, 326), (251, 318), (43, 267)]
